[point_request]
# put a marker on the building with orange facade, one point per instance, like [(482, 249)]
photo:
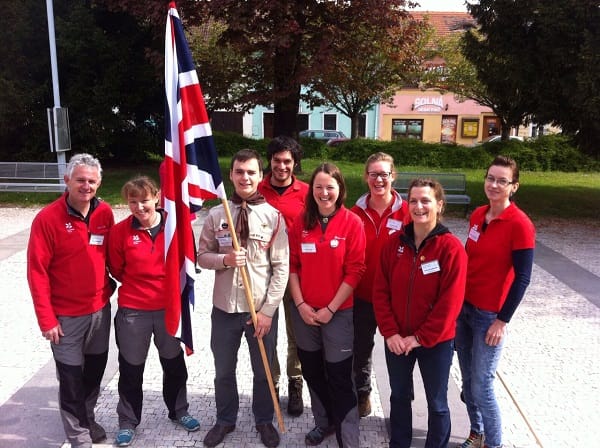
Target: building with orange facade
[(427, 114)]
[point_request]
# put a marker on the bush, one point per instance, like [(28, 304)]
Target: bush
[(413, 152), (547, 153), (228, 143), (313, 149)]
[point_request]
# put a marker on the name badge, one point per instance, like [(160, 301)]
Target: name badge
[(308, 248), (224, 241), (430, 267), (474, 234), (394, 224), (96, 240)]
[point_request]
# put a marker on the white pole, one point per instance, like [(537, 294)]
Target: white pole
[(60, 155)]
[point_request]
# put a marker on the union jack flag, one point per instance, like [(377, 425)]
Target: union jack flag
[(192, 175)]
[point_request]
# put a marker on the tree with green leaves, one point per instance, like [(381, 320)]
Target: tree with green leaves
[(539, 59), (566, 60), (288, 44), (214, 59), (25, 87), (112, 92), (498, 49), (257, 52), (371, 61)]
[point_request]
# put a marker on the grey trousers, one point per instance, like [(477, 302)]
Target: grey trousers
[(325, 352), (134, 330), (80, 358), (226, 336)]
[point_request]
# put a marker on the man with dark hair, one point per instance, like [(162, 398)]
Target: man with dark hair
[(287, 194), (70, 287), (264, 253)]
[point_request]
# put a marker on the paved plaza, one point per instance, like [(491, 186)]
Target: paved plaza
[(548, 380)]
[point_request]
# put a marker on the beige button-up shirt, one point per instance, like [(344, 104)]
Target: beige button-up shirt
[(267, 258)]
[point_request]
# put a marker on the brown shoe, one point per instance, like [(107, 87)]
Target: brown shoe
[(364, 404), (295, 406), (268, 435), (217, 434)]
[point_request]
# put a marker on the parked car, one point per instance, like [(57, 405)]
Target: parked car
[(496, 138), (336, 141), (321, 134)]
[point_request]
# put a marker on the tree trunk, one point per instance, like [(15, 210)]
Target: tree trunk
[(355, 125), (284, 117)]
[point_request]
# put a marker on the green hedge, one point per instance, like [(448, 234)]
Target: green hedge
[(547, 153)]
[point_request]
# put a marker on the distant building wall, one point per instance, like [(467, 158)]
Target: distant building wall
[(433, 117)]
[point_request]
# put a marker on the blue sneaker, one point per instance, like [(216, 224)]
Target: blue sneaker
[(188, 422), (124, 437)]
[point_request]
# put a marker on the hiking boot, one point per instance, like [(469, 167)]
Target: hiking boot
[(268, 435), (124, 437), (97, 433), (364, 403), (473, 441), (295, 406), (317, 435), (217, 434), (188, 422)]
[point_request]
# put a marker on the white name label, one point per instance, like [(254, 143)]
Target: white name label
[(309, 248), (394, 224), (96, 240), (430, 267)]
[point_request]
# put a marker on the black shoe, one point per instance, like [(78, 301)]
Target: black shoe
[(217, 434), (317, 435), (97, 433), (268, 435), (295, 404), (364, 403)]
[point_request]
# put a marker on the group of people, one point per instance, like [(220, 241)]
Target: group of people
[(341, 273)]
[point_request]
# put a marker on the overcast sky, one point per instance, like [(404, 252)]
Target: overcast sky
[(441, 5)]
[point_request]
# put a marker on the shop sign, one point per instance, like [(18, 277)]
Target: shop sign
[(428, 104)]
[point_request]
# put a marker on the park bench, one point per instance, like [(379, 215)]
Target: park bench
[(454, 184), (31, 176)]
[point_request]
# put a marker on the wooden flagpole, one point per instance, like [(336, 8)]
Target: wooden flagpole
[(250, 300)]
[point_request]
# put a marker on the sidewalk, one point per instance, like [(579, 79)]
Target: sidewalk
[(548, 383)]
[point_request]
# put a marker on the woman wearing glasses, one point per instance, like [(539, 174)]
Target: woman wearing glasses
[(383, 213), (417, 294), (500, 248)]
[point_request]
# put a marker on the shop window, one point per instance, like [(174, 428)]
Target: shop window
[(404, 128), (470, 128), (330, 122), (491, 126)]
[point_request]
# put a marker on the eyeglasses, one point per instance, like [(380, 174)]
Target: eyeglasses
[(502, 182), (384, 175)]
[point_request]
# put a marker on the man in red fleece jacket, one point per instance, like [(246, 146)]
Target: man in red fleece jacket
[(70, 287)]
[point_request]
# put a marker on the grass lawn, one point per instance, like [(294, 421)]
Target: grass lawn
[(573, 196)]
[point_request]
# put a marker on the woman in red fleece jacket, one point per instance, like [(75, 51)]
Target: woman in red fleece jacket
[(327, 260), (417, 295), (136, 252)]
